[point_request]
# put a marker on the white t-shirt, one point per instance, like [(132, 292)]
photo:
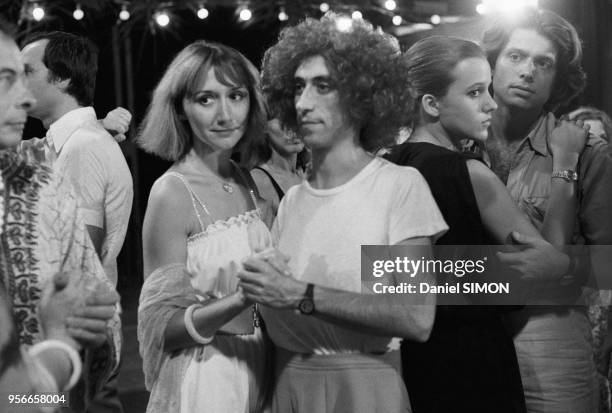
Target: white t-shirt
[(90, 158), (322, 230)]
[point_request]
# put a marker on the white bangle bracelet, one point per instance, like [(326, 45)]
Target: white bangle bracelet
[(193, 333), (77, 365)]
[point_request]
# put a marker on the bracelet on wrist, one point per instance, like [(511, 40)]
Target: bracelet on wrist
[(75, 359), (191, 330)]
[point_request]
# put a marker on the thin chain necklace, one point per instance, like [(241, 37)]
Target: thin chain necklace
[(227, 187)]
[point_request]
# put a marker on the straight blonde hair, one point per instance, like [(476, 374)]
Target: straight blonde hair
[(164, 131)]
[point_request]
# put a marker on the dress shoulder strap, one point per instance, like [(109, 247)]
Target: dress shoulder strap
[(195, 200), (250, 184), (275, 184)]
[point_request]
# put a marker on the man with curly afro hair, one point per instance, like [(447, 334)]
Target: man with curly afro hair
[(343, 90)]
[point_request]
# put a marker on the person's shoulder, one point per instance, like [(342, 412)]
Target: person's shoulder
[(477, 168), (597, 151), (94, 131), (392, 171), (259, 177), (424, 155), (168, 190), (295, 192), (92, 137), (95, 143)]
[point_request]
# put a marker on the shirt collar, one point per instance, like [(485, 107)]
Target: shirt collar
[(64, 127), (538, 136)]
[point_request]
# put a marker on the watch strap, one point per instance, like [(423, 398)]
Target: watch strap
[(567, 174), (306, 304)]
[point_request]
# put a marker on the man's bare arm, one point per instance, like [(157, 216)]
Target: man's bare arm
[(403, 315)]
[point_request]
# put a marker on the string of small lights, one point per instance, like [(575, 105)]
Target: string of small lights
[(161, 13)]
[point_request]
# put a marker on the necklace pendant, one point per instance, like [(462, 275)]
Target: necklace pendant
[(228, 188)]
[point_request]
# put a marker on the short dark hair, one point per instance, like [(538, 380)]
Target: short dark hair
[(570, 78), (430, 64), (68, 56), (367, 68)]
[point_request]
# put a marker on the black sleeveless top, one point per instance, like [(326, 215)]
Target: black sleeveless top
[(469, 363), (275, 184)]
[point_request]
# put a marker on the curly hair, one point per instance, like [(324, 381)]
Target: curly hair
[(570, 78), (366, 66), (164, 131)]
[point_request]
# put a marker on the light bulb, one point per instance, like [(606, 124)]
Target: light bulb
[(162, 19), (397, 20), (390, 5), (357, 15), (202, 13), (283, 16), (245, 14), (124, 14), (324, 7), (38, 13), (78, 13)]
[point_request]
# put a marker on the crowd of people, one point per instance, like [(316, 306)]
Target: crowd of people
[(253, 297)]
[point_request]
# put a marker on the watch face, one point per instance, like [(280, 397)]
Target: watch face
[(306, 306)]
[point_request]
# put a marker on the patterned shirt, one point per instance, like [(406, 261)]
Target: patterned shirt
[(42, 233)]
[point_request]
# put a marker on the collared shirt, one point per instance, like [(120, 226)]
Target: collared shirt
[(530, 177), (93, 162)]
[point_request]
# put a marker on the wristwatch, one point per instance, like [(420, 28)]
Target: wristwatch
[(306, 304), (568, 174)]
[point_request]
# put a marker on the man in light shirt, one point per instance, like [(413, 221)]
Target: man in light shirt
[(334, 337), (61, 73)]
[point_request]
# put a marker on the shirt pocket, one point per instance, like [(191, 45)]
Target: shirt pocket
[(535, 207)]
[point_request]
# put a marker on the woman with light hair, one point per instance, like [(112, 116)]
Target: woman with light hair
[(200, 339)]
